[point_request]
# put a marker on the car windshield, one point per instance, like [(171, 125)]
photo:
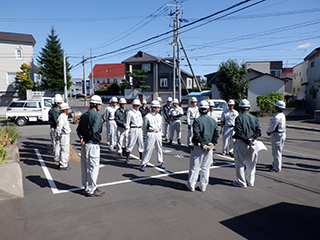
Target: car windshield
[(16, 104), (220, 106)]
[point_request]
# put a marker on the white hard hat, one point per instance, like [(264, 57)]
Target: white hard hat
[(159, 99), (175, 100), (96, 99), (114, 99), (204, 104), (136, 102), (244, 103), (231, 102), (58, 98), (64, 106), (169, 99), (280, 104), (144, 101), (155, 103), (211, 103), (194, 99), (122, 101)]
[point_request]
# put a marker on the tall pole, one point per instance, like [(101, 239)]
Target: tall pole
[(65, 77), (178, 52), (174, 60), (84, 80), (91, 82)]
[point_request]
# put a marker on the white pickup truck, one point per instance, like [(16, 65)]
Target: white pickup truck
[(24, 111)]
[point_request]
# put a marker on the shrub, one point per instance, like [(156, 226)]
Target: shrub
[(8, 134), (265, 102)]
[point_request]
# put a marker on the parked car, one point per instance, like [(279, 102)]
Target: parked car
[(24, 111), (219, 106), (80, 95)]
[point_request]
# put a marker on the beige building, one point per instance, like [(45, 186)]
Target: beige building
[(299, 80)]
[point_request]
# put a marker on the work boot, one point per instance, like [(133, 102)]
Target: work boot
[(179, 142), (124, 153), (140, 155), (127, 157), (170, 142)]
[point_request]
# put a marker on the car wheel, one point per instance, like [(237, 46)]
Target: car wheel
[(21, 121)]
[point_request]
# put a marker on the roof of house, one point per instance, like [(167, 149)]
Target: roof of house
[(104, 84), (260, 74), (312, 54), (17, 37), (212, 78), (108, 70)]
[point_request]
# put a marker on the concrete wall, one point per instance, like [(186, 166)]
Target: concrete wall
[(312, 91)]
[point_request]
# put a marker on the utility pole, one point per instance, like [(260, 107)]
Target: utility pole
[(178, 52), (174, 59), (91, 81), (84, 80), (65, 78)]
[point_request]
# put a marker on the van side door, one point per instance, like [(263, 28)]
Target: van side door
[(46, 104)]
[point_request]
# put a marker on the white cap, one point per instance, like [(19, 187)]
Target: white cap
[(244, 103), (122, 101), (64, 106), (114, 99), (231, 102), (58, 98), (144, 101), (211, 103), (204, 104), (194, 99), (159, 99), (169, 99), (175, 100), (280, 104), (136, 102), (96, 99), (155, 103)]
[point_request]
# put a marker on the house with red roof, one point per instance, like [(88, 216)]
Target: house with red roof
[(106, 74)]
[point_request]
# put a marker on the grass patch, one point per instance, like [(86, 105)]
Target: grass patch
[(8, 134)]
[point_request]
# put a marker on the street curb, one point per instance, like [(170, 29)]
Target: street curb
[(11, 185), (303, 128)]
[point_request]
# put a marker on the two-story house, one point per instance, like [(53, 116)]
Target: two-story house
[(15, 49)]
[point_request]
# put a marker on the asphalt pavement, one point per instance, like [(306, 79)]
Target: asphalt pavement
[(150, 205)]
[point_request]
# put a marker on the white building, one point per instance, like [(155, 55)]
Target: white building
[(299, 80)]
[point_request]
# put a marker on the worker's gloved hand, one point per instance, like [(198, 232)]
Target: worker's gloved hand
[(208, 147), (189, 127)]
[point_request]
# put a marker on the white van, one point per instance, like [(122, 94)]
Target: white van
[(24, 111), (219, 106)]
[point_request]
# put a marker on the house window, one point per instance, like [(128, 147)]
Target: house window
[(108, 70), (18, 54), (299, 74), (11, 78), (163, 82), (276, 73), (298, 89), (146, 66), (98, 81), (312, 64), (189, 83)]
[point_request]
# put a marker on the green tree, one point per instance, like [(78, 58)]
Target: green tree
[(138, 77), (233, 83), (265, 102), (23, 80), (112, 89), (50, 62)]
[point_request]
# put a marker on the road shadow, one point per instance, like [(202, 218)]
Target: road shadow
[(280, 221)]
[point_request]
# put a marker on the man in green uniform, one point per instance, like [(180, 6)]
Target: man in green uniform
[(89, 131), (247, 130), (120, 117), (205, 136), (54, 114)]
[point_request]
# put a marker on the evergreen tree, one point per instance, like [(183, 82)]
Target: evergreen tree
[(138, 77), (50, 62), (23, 80)]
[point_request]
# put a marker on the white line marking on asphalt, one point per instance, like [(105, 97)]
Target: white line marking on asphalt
[(47, 173)]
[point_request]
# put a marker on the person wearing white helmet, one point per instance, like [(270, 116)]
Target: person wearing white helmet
[(160, 101), (63, 136), (277, 131), (144, 109), (192, 113), (134, 126), (54, 114), (110, 121), (175, 113), (211, 112), (153, 126), (247, 130), (166, 116), (89, 131), (121, 118), (228, 118), (205, 136)]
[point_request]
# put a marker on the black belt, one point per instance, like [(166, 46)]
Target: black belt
[(135, 127)]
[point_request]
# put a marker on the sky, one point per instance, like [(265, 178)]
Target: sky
[(270, 30)]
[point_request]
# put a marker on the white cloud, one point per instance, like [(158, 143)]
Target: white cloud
[(306, 45)]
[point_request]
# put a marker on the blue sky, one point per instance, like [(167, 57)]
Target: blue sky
[(286, 30)]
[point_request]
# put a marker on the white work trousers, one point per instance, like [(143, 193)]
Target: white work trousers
[(199, 161), (56, 147), (227, 139), (277, 140), (52, 136), (122, 138), (135, 135), (113, 133), (190, 132), (90, 160), (175, 126), (245, 160), (65, 149), (166, 129), (152, 140)]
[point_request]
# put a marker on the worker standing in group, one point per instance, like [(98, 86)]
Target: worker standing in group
[(228, 117), (175, 113), (144, 109), (63, 136), (54, 114), (205, 136), (192, 113), (153, 125), (211, 112), (166, 116), (247, 130), (112, 126), (160, 101), (89, 131), (277, 131), (121, 118), (134, 126)]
